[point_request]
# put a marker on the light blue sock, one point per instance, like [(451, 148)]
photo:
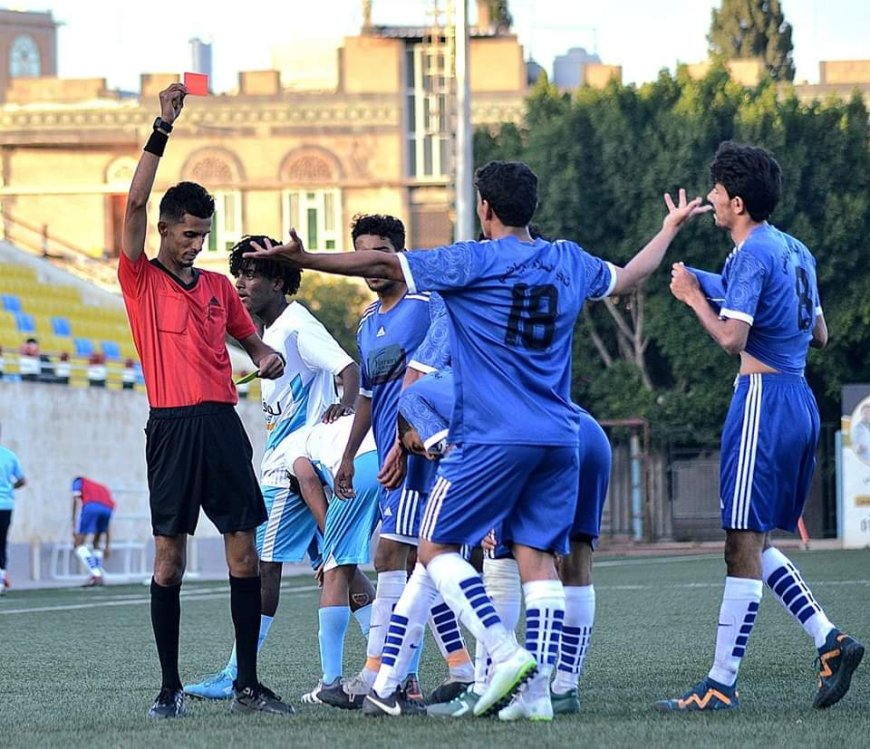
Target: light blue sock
[(333, 626), (232, 666), (363, 617), (414, 668)]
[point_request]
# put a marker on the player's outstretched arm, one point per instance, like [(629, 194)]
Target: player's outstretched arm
[(136, 217), (366, 264), (650, 257), (820, 332)]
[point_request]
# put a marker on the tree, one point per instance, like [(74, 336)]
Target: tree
[(338, 303), (755, 29)]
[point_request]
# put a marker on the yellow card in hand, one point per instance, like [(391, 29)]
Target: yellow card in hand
[(248, 378)]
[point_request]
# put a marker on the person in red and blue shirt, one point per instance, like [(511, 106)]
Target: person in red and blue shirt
[(197, 452), (92, 510)]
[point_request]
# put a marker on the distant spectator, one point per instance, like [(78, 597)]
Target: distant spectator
[(128, 377), (62, 369), (92, 510), (28, 362), (97, 370), (11, 478), (2, 363)]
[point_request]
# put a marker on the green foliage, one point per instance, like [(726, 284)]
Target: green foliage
[(754, 28), (603, 158), (337, 302)]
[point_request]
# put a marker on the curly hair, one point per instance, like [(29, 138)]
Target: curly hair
[(510, 188), (379, 225), (750, 173), (291, 277)]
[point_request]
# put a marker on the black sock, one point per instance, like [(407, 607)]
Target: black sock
[(166, 622), (245, 609)]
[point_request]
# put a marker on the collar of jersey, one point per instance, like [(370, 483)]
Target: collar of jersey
[(186, 286)]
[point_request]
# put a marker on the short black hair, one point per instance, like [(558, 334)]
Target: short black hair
[(510, 188), (291, 277), (379, 225), (186, 197), (750, 173)]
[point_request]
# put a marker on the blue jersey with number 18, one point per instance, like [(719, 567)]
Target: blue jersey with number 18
[(511, 307)]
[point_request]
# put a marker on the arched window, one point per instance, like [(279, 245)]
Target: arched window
[(219, 172), (311, 202), (24, 60)]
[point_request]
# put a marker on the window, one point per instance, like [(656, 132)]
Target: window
[(226, 225), (316, 215), (429, 122), (24, 59)]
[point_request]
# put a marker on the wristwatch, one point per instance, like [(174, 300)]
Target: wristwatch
[(163, 126)]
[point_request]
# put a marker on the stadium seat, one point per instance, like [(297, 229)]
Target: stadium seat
[(111, 350), (60, 326), (11, 303), (25, 322), (84, 347)]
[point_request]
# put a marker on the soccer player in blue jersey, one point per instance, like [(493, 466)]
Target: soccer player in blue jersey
[(511, 304), (770, 315), (389, 332)]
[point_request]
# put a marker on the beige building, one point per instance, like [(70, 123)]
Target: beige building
[(274, 154)]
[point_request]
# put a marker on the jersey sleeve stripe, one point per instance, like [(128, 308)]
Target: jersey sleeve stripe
[(436, 438), (406, 272), (734, 314), (610, 286)]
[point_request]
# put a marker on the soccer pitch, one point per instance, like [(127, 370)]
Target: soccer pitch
[(79, 668)]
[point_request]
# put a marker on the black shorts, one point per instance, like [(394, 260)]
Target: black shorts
[(200, 456)]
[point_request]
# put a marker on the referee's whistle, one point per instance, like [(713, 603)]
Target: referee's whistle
[(248, 378)]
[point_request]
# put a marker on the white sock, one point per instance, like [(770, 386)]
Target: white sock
[(406, 629), (502, 580), (89, 560), (2, 578), (545, 615), (737, 615), (481, 668), (98, 555), (784, 580), (576, 634), (463, 591), (444, 627), (390, 586)]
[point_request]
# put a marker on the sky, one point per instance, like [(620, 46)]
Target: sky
[(118, 40)]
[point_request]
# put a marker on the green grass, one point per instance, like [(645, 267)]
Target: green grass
[(86, 676)]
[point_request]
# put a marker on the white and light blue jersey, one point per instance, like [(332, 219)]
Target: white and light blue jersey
[(511, 308), (770, 284), (427, 405), (297, 399), (387, 343), (10, 474)]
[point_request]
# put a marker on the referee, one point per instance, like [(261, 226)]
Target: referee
[(197, 452)]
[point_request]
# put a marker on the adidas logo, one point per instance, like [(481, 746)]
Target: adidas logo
[(214, 301), (381, 332), (388, 513)]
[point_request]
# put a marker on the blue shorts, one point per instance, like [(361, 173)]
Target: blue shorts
[(350, 523), (595, 459), (93, 518), (288, 533), (401, 513), (769, 447), (531, 490)]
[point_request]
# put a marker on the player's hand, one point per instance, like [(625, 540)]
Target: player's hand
[(684, 283), (270, 366), (683, 211), (344, 480), (395, 466), (172, 102), (290, 252), (335, 412)]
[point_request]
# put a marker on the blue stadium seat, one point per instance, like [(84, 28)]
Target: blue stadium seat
[(111, 350), (11, 303), (84, 346), (25, 322), (60, 326)]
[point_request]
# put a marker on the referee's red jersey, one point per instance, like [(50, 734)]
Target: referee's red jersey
[(179, 330)]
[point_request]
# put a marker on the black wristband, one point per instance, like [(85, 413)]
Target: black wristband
[(157, 143)]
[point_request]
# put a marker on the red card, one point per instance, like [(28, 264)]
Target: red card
[(196, 84)]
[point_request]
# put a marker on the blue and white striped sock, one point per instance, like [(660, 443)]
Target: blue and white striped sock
[(545, 617), (785, 582), (737, 614), (463, 591), (576, 635)]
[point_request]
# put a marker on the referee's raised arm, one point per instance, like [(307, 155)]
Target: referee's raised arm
[(136, 217)]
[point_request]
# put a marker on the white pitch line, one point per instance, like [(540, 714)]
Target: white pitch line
[(127, 601)]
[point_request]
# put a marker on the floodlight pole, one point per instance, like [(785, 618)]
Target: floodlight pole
[(465, 206)]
